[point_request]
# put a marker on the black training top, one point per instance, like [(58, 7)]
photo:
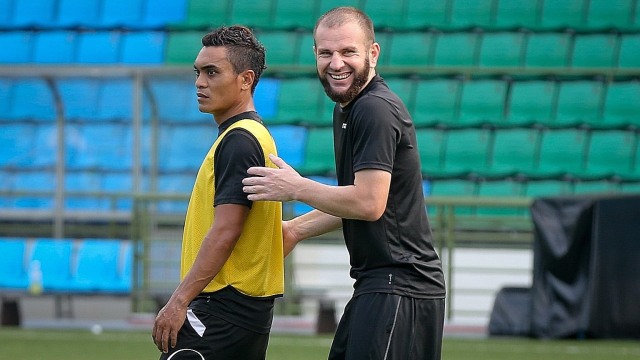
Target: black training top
[(395, 253)]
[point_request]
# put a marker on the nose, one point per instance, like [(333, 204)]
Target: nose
[(336, 61), (200, 82)]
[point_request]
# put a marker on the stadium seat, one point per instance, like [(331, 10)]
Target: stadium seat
[(204, 14), (79, 96), (55, 257), (102, 47), (306, 56), (531, 102), (177, 183), (107, 146), (160, 14), (6, 93), (467, 151), (562, 152), (431, 143), (115, 101), (33, 14), (84, 181), (405, 88), (610, 14), (385, 14), (254, 14), (20, 43), (143, 48), (319, 156), (436, 101), (17, 141), (515, 151), (32, 100), (290, 142), (503, 49), (326, 110), (579, 102), (410, 49), (558, 15), (181, 106), (13, 267), (121, 14), (621, 104), (591, 51), (453, 187), (299, 101), (547, 50), (456, 49), (44, 149), (183, 147), (629, 56), (281, 47), (54, 47), (183, 47), (500, 188), (295, 14), (326, 5), (98, 268), (630, 187), (265, 96), (466, 14), (423, 14), (482, 102), (74, 13), (610, 153), (547, 188), (6, 13), (516, 14), (596, 187), (30, 181)]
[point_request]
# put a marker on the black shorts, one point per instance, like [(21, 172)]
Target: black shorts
[(387, 326), (205, 336)]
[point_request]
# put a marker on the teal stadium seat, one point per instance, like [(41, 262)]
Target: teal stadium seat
[(547, 50), (301, 14), (558, 15), (431, 143), (425, 14), (499, 188), (385, 14), (517, 14), (319, 158), (13, 267), (482, 102), (629, 56), (610, 14), (203, 14), (562, 152), (20, 43), (467, 151), (453, 187), (515, 152), (405, 88), (531, 102), (183, 47), (306, 56), (411, 49), (467, 14), (256, 14), (621, 104), (64, 43), (547, 188), (596, 187), (594, 51), (281, 46), (610, 153), (436, 102), (326, 5), (579, 102), (326, 110), (74, 13), (298, 101), (456, 49), (503, 49)]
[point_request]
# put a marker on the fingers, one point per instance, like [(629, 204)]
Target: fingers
[(279, 162)]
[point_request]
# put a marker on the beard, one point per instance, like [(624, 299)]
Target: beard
[(360, 79)]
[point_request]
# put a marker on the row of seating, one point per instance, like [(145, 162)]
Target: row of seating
[(581, 15), (289, 48), (435, 101), (67, 265)]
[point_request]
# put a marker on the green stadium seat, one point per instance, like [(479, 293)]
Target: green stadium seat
[(621, 104), (515, 14), (423, 14), (306, 56), (579, 102), (299, 101), (482, 102), (531, 102), (610, 14), (319, 156), (504, 49), (385, 14), (500, 188), (467, 14), (326, 110), (629, 56), (405, 89), (436, 101), (547, 50), (515, 151), (253, 13), (205, 14), (596, 187), (453, 187), (558, 15), (326, 5), (281, 47), (562, 152), (610, 153), (547, 188), (295, 14), (411, 49), (591, 51), (467, 151), (384, 39), (183, 47), (431, 147), (456, 49)]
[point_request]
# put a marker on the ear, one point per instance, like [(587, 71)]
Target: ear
[(374, 54), (248, 77)]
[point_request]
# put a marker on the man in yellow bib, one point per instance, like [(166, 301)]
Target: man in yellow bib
[(232, 264)]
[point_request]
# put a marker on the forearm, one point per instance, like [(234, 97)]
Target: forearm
[(311, 224)]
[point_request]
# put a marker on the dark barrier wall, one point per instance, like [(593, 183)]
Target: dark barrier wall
[(586, 276)]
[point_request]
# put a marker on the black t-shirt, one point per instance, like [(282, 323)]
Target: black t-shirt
[(238, 151), (394, 254)]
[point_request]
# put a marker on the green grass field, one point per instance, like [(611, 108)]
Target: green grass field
[(74, 344)]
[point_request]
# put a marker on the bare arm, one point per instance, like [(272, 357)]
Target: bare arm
[(214, 252), (306, 226)]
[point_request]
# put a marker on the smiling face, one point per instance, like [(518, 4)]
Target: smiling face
[(345, 60), (220, 90)]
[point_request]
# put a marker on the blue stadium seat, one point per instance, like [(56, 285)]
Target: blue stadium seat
[(115, 101), (266, 96), (32, 100), (182, 105), (163, 13), (175, 183), (6, 93), (55, 257), (34, 180), (117, 13), (102, 47), (17, 141), (54, 47), (300, 208), (43, 154), (20, 43), (290, 142), (79, 96), (13, 266), (6, 15), (107, 146), (34, 13), (74, 13), (84, 181), (143, 47), (182, 147), (98, 268)]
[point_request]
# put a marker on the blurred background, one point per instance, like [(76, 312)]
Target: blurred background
[(513, 102)]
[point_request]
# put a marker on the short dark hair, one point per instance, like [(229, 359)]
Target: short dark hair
[(343, 14), (244, 51)]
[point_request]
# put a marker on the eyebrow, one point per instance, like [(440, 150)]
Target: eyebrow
[(207, 67)]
